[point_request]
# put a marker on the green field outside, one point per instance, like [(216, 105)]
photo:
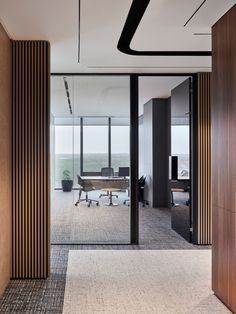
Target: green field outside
[(92, 163)]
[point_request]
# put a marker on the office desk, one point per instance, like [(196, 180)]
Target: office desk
[(99, 182)]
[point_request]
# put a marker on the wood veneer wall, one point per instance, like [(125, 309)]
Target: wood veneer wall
[(31, 188), (224, 160), (204, 197), (5, 157)]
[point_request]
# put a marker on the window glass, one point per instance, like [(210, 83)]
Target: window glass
[(180, 148), (95, 147), (63, 152), (119, 146)]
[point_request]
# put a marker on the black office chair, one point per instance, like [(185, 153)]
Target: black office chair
[(107, 172), (85, 186), (141, 185)]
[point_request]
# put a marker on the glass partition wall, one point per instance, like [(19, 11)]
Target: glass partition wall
[(164, 137), (89, 153)]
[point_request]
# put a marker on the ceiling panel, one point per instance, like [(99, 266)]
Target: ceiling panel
[(101, 24)]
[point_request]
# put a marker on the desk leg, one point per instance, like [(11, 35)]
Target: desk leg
[(110, 200)]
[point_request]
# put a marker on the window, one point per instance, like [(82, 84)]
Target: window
[(95, 146), (119, 146), (180, 148), (63, 152)]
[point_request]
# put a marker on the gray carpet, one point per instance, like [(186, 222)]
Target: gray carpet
[(140, 282), (102, 224), (94, 224)]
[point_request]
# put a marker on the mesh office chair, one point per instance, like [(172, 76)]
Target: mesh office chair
[(107, 172), (85, 186)]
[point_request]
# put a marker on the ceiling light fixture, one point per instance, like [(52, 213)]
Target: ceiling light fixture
[(136, 12), (79, 18), (67, 93), (194, 13)]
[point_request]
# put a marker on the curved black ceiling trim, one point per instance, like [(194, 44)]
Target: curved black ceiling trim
[(136, 12)]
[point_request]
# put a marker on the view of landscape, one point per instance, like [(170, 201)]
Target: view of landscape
[(92, 163)]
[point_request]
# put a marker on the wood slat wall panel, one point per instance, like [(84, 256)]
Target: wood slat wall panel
[(31, 173), (223, 159), (6, 200), (204, 216)]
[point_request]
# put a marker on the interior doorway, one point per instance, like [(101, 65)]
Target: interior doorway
[(165, 160), (90, 159)]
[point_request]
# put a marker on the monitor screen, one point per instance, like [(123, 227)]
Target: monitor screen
[(123, 171)]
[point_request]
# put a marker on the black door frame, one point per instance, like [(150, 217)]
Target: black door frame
[(134, 147)]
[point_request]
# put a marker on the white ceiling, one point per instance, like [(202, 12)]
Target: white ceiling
[(156, 87), (91, 96), (101, 24)]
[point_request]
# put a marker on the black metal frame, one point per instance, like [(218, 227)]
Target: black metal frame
[(134, 95), (194, 158)]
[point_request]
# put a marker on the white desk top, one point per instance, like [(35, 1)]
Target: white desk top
[(100, 178)]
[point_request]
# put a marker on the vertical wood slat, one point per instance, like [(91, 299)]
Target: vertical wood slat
[(31, 173), (204, 214)]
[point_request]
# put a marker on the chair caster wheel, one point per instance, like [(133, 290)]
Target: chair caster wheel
[(124, 202), (116, 196), (76, 204), (97, 204)]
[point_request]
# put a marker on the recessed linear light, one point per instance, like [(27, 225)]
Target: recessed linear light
[(67, 94), (79, 18), (202, 34), (194, 13)]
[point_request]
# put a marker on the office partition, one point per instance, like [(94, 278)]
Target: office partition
[(92, 131)]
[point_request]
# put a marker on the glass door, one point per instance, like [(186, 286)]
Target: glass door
[(91, 123)]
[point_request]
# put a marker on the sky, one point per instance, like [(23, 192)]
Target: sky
[(180, 140), (95, 139)]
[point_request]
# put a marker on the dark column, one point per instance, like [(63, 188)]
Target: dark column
[(156, 141)]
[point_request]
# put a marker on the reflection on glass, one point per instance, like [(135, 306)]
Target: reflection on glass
[(180, 148)]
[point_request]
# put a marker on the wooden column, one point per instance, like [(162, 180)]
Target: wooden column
[(5, 157), (31, 173), (223, 159), (204, 198)]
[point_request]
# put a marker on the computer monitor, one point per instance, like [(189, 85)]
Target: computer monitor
[(174, 168), (123, 172)]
